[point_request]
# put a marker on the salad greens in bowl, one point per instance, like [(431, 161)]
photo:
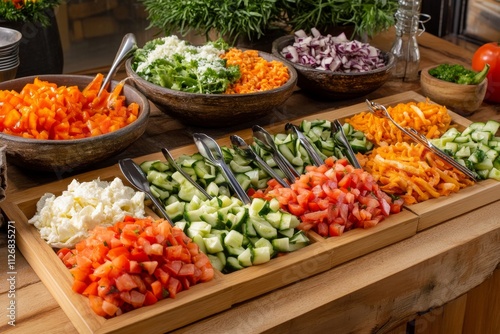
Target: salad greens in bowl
[(212, 85)]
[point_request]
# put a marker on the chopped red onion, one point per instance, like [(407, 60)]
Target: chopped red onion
[(332, 53)]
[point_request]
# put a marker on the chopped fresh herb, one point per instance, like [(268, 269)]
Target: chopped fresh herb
[(459, 74)]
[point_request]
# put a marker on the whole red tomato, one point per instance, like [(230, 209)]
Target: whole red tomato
[(489, 53)]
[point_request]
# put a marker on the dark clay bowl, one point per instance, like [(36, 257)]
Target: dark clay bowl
[(335, 85), (215, 110), (62, 156)]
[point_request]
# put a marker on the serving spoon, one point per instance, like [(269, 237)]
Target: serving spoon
[(340, 136), (316, 159), (246, 150), (211, 151), (178, 168), (266, 140), (379, 110), (133, 173), (127, 47)]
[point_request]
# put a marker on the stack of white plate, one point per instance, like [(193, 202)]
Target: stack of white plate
[(9, 53)]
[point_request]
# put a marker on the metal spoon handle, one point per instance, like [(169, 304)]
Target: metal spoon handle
[(228, 174), (125, 50), (178, 168), (306, 144), (133, 173), (210, 150), (262, 164), (246, 150), (351, 156)]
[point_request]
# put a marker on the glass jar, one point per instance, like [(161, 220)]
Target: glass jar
[(405, 47)]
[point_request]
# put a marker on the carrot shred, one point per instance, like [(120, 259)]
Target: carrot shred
[(426, 117), (413, 173), (257, 74)]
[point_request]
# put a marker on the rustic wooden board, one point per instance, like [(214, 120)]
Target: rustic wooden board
[(226, 290)]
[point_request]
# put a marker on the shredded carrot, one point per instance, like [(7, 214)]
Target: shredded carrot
[(426, 117), (43, 110), (257, 74), (413, 173)]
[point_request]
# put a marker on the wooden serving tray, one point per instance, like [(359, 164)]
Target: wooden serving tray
[(226, 290)]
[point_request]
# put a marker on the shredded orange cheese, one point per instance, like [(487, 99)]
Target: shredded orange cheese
[(413, 172), (426, 117), (257, 74)]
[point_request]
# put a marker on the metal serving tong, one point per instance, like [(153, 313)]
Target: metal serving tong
[(316, 159), (134, 174), (380, 111), (211, 151), (244, 149), (339, 135), (266, 140), (178, 168)]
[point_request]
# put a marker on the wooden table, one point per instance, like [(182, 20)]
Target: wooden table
[(444, 279)]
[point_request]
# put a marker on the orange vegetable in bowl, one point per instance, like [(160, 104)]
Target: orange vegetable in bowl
[(44, 110)]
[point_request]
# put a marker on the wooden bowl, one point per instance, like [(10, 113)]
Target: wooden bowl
[(463, 99), (335, 85), (215, 110), (61, 156)]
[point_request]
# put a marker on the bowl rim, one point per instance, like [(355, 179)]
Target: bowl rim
[(291, 82), (390, 63), (143, 115), (425, 72)]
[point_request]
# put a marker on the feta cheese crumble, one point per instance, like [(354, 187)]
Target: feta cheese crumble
[(65, 220)]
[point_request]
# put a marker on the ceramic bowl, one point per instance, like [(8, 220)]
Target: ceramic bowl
[(463, 99), (64, 156), (335, 85), (215, 110)]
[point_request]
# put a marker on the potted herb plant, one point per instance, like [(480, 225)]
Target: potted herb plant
[(254, 19), (40, 50)]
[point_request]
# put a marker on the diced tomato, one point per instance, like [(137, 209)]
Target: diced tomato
[(134, 263), (125, 282), (333, 198)]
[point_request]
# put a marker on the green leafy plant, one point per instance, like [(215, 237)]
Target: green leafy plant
[(27, 10), (253, 18), (367, 17), (228, 18)]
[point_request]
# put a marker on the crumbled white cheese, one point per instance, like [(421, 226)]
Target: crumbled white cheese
[(206, 56), (65, 220)]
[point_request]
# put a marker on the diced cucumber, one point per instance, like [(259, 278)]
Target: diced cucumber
[(146, 165), (263, 242), (243, 180), (233, 239), (289, 232), (299, 237), (259, 206), (245, 258), (463, 152), (491, 126), (159, 179), (198, 239), (260, 255), (198, 228), (494, 174), (288, 221), (233, 263), (296, 246), (281, 244), (234, 251), (263, 228), (182, 224), (160, 166), (216, 262), (274, 218), (175, 210), (239, 168), (213, 244)]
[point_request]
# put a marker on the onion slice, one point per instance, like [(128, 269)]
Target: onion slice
[(332, 53)]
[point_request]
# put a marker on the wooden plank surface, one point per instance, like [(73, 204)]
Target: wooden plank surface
[(375, 293)]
